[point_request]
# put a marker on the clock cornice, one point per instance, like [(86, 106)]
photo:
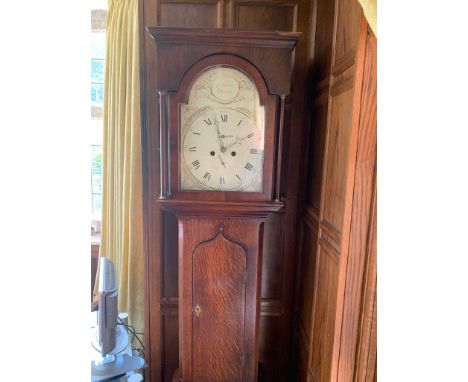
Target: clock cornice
[(204, 36), (269, 51)]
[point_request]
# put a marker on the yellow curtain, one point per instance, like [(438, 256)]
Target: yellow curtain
[(369, 8), (122, 231)]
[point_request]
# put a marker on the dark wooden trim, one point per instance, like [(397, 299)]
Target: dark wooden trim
[(163, 145), (235, 37), (232, 209), (279, 151)]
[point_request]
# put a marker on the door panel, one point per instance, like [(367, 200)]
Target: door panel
[(265, 16), (191, 14), (219, 282)]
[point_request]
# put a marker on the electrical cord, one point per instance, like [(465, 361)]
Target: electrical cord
[(131, 329)]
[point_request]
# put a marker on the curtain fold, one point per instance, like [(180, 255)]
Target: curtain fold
[(122, 223)]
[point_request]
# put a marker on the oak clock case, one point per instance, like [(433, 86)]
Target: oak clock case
[(221, 110)]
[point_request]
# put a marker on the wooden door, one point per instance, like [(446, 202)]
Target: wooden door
[(219, 282)]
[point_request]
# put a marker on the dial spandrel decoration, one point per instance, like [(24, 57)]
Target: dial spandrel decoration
[(222, 133)]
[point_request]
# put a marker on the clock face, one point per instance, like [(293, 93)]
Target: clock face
[(222, 150), (222, 133)]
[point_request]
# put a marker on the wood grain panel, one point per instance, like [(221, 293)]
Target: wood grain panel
[(170, 328), (268, 307), (316, 152), (324, 315), (270, 350), (272, 260), (293, 182), (219, 287), (273, 257), (306, 274), (347, 29), (367, 344), (360, 274), (170, 251), (300, 353), (336, 165), (324, 39), (265, 15), (249, 232), (342, 161), (191, 14)]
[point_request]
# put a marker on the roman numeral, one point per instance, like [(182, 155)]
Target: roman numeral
[(224, 117), (207, 175), (250, 135), (208, 122), (253, 151), (193, 149), (221, 180), (248, 166), (196, 164), (238, 177), (195, 133), (239, 122)]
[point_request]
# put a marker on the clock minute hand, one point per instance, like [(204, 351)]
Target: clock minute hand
[(237, 141)]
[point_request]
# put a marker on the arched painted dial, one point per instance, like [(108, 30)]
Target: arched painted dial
[(223, 150)]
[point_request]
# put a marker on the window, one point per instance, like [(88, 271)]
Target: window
[(98, 52)]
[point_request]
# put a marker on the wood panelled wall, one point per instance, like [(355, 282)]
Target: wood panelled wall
[(279, 252), (335, 308)]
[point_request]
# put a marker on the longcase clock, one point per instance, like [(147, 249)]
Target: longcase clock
[(221, 110)]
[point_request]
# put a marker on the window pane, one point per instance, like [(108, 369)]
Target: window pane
[(97, 94), (97, 204), (96, 132), (98, 45), (96, 179), (97, 70)]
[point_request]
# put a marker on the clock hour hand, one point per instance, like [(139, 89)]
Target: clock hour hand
[(221, 144), (222, 162)]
